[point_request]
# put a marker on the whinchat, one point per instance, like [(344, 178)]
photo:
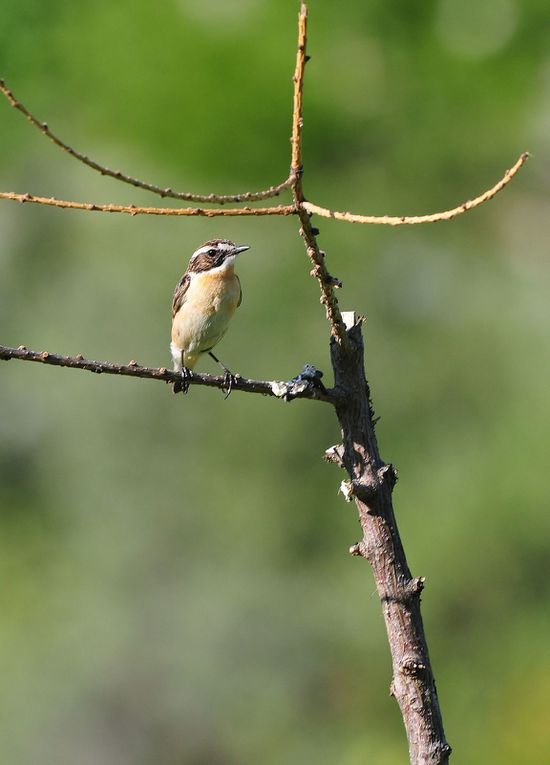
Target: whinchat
[(205, 299)]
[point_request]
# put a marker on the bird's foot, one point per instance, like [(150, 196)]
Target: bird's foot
[(182, 385), (229, 380)]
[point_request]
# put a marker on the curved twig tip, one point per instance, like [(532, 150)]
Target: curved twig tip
[(408, 220)]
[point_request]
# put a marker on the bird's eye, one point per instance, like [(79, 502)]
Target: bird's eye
[(212, 252)]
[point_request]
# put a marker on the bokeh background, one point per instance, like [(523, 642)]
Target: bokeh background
[(176, 587)]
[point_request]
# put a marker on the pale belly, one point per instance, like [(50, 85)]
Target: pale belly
[(203, 319)]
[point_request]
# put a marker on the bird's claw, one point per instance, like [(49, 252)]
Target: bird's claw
[(182, 385), (229, 380)]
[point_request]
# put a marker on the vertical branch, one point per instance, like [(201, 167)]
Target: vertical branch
[(370, 484), (297, 119), (327, 283)]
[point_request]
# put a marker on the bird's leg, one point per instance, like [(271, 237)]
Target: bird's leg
[(228, 379), (186, 375)]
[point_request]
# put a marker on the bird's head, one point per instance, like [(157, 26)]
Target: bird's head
[(215, 254)]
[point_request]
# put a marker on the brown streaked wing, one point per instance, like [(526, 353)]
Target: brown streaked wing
[(179, 293)]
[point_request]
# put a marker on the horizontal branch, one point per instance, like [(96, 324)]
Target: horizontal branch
[(400, 220), (247, 196), (209, 212), (299, 387)]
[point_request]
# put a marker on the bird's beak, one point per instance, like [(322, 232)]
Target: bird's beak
[(240, 249)]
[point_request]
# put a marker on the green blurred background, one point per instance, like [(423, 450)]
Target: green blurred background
[(176, 587)]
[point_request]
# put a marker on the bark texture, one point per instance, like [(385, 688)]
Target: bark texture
[(370, 484)]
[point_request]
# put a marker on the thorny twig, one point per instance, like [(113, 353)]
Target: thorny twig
[(327, 283), (247, 196), (208, 212), (292, 182), (400, 220)]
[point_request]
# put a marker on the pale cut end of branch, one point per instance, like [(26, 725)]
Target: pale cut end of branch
[(357, 550), (408, 220), (349, 318)]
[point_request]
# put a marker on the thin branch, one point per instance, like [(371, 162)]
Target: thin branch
[(296, 388), (247, 196), (395, 220), (134, 210), (297, 118), (327, 283)]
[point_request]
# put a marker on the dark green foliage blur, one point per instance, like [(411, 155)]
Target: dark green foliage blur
[(176, 587)]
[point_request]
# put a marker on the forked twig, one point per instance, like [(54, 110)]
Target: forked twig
[(208, 212), (400, 220), (247, 196), (301, 207)]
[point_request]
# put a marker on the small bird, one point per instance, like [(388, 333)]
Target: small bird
[(205, 299)]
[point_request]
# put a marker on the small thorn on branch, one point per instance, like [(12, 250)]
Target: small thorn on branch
[(335, 455), (357, 550), (388, 474), (415, 586), (411, 666)]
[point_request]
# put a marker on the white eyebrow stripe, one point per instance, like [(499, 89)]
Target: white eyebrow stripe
[(221, 247), (201, 251)]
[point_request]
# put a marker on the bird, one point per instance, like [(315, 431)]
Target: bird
[(205, 299)]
